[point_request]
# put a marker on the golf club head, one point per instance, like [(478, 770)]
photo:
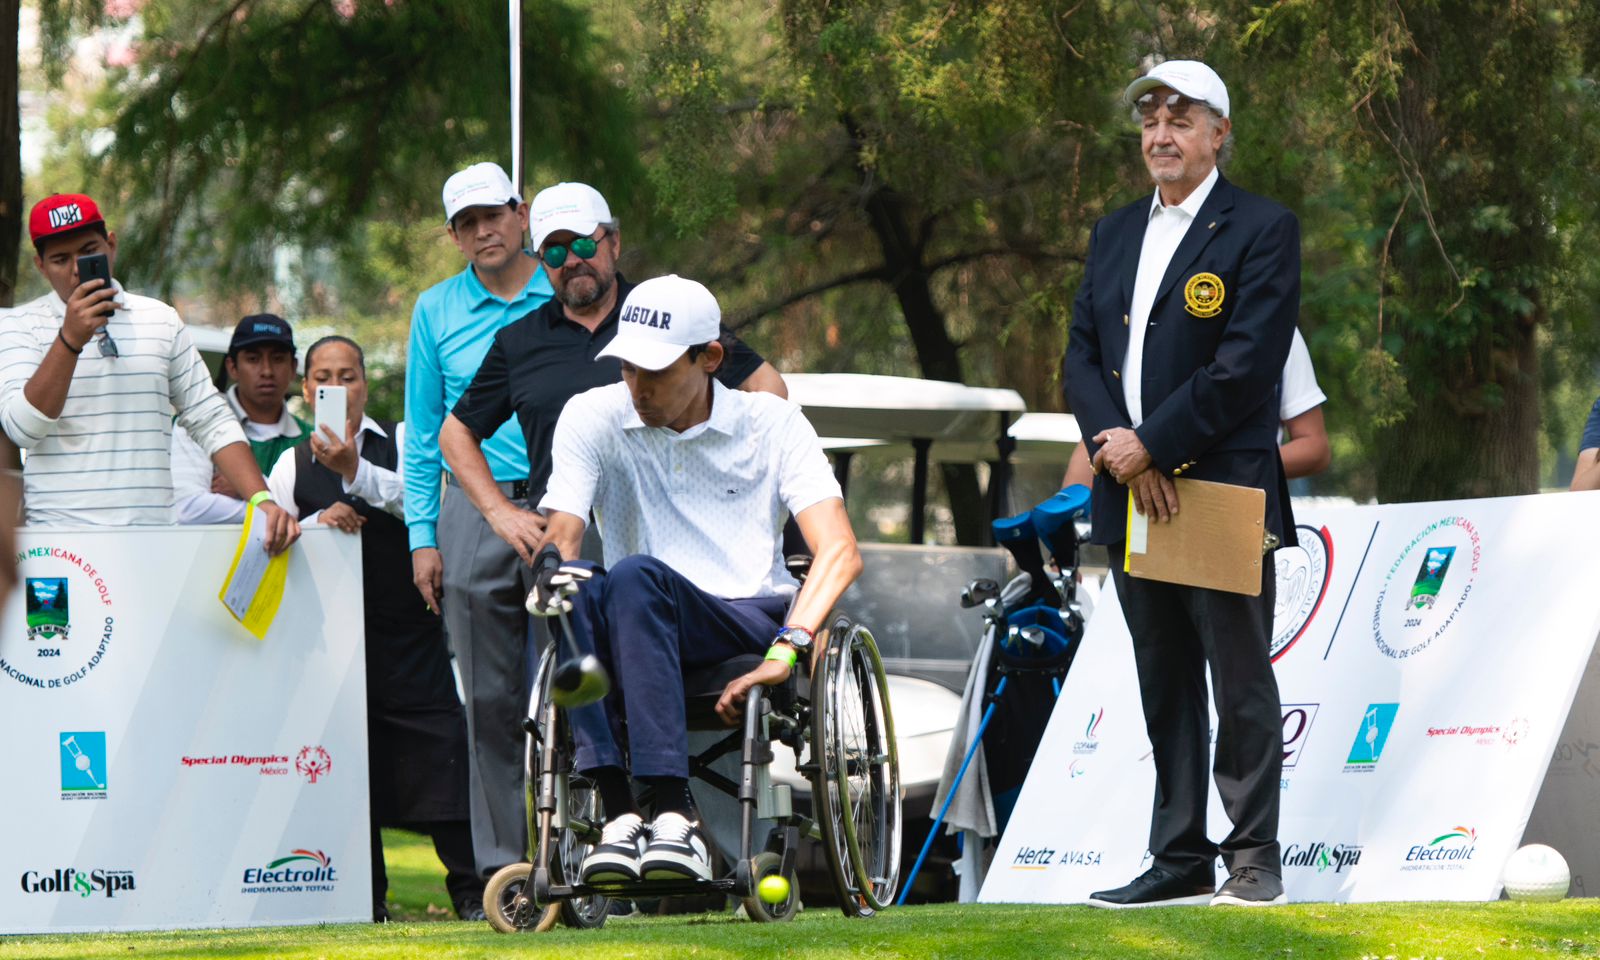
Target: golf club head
[(580, 682), (979, 592)]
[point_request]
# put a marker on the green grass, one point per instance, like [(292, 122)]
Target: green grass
[(1372, 931)]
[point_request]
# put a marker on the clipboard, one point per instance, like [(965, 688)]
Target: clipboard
[(1215, 541)]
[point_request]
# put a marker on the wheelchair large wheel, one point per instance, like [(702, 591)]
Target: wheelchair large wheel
[(858, 770), (576, 796)]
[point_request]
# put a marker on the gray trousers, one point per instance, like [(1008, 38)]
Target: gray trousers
[(485, 586)]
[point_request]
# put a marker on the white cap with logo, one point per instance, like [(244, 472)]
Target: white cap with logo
[(567, 206), (661, 319), (1191, 78), (480, 185)]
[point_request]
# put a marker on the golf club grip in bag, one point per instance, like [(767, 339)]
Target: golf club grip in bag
[(1054, 520)]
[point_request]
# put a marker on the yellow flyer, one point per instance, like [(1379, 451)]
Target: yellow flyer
[(253, 588)]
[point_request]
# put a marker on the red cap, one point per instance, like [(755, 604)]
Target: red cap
[(62, 213)]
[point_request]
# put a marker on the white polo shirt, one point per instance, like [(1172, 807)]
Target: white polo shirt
[(709, 502)]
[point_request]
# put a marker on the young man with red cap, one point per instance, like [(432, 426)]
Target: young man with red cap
[(89, 377)]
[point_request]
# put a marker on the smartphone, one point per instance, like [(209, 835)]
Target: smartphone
[(96, 266), (331, 404)]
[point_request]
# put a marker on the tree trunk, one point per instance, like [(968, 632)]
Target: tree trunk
[(937, 355), (10, 154)]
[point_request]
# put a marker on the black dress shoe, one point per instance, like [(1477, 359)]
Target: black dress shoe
[(1249, 887), (1155, 888)]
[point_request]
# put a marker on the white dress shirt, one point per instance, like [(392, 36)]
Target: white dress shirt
[(384, 489), (1300, 389), (1161, 238), (192, 469), (709, 502)]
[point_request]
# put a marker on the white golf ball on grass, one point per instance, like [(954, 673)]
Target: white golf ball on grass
[(1536, 872)]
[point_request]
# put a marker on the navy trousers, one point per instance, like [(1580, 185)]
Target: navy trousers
[(648, 624)]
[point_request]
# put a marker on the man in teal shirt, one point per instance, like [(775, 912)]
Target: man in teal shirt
[(461, 567)]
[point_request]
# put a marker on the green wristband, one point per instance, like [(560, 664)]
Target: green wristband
[(783, 653), (261, 497)]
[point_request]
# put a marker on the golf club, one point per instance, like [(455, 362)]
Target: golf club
[(581, 679)]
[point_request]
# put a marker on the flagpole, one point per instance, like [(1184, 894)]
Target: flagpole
[(516, 94)]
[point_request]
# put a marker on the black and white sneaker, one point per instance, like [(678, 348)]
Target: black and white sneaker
[(615, 859), (676, 850)]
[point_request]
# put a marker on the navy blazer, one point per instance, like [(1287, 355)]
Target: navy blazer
[(1210, 384)]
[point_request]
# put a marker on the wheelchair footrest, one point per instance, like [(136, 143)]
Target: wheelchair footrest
[(640, 889)]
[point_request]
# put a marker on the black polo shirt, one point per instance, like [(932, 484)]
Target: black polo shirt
[(538, 363)]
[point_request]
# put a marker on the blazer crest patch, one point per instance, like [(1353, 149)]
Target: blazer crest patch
[(1203, 294)]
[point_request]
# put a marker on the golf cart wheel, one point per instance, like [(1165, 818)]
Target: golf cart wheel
[(506, 902), (858, 770), (768, 864)]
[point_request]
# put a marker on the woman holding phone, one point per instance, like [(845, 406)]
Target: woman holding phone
[(416, 730)]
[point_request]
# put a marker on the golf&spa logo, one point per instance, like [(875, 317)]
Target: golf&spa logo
[(83, 765), (82, 883), (1371, 735), (1426, 587), (68, 614), (1302, 575), (1448, 851), (1091, 735), (1322, 857), (302, 871)]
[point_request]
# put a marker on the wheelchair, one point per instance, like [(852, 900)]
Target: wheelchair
[(833, 713)]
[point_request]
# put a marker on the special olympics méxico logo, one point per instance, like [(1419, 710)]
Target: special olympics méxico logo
[(1302, 574), (68, 616), (313, 763), (1426, 587)]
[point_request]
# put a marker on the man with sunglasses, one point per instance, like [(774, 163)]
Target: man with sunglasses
[(90, 375), (459, 565), (1180, 330), (548, 357)]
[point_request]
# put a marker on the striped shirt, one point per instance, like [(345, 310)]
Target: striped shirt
[(106, 460)]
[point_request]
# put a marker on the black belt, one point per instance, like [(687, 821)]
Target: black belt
[(515, 489)]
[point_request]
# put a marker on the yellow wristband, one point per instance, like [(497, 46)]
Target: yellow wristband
[(783, 653), (260, 497)]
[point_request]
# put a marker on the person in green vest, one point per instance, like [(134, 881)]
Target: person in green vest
[(261, 364)]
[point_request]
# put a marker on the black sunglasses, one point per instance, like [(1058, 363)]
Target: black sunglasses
[(1176, 103), (583, 248)]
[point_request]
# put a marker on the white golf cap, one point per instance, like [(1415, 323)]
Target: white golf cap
[(661, 319), (567, 206), (1191, 78), (480, 185)]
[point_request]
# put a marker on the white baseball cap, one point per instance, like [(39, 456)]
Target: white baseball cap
[(663, 318), (1191, 78), (480, 185), (567, 206)]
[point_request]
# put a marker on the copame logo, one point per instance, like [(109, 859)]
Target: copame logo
[(83, 883), (302, 871), (1408, 618), (1448, 851), (1091, 734), (83, 765), (1302, 583), (1371, 735), (1322, 857)]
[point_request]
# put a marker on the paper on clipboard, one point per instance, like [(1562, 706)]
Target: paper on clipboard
[(1214, 541), (253, 589)]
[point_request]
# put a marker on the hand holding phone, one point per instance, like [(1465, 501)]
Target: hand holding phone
[(97, 266), (332, 403)]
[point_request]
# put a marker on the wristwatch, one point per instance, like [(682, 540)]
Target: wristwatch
[(798, 637)]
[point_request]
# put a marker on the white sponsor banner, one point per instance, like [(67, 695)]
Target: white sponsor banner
[(1426, 655), (166, 768)]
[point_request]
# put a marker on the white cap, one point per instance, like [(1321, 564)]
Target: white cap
[(567, 206), (1191, 78), (661, 319), (480, 185)]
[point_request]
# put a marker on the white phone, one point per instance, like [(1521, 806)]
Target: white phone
[(331, 404)]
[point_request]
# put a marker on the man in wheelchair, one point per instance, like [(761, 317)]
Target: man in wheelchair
[(689, 482)]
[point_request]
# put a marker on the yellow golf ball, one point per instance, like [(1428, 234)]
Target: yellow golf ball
[(773, 889)]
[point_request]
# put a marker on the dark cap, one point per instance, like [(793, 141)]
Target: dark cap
[(261, 328)]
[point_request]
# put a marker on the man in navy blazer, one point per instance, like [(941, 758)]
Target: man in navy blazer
[(1179, 334)]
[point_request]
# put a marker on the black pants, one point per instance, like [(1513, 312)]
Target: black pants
[(1177, 632), (452, 841)]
